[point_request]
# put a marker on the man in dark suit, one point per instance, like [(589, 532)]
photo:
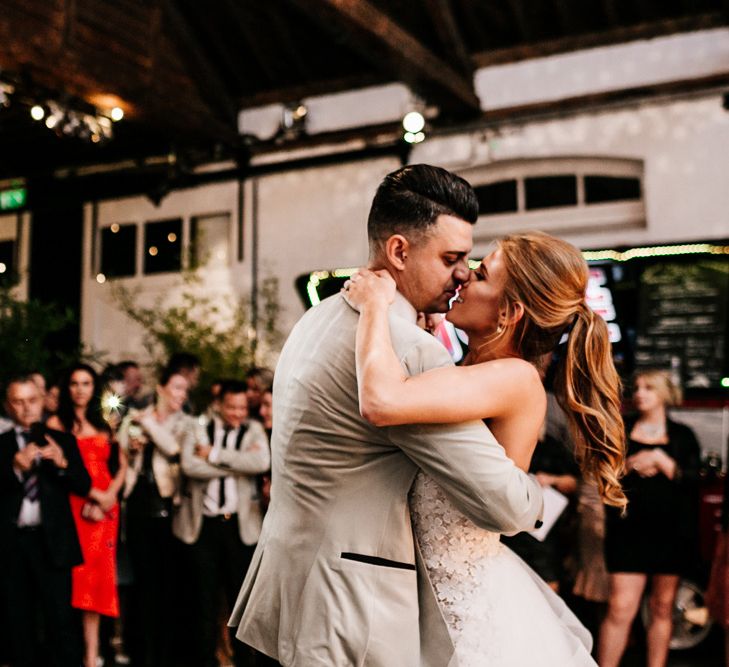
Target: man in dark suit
[(39, 467)]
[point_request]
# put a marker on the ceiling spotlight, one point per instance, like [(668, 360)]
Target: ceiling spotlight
[(117, 113), (413, 122), (37, 112), (52, 121)]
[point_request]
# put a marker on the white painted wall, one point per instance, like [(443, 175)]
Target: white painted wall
[(315, 218), (307, 220), (684, 146), (640, 63)]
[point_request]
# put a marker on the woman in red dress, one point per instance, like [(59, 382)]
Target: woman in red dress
[(97, 516)]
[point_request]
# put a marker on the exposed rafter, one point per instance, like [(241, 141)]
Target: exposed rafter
[(370, 30), (449, 34), (208, 80), (589, 40)]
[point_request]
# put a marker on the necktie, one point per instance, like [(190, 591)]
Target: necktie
[(221, 488), (30, 479)]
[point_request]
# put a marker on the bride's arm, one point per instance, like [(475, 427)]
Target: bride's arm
[(388, 396)]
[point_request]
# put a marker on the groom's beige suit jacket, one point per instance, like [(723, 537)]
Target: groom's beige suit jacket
[(337, 578)]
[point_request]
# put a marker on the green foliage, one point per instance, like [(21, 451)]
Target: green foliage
[(29, 336), (216, 329)]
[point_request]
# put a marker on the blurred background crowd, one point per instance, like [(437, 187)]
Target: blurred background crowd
[(130, 517)]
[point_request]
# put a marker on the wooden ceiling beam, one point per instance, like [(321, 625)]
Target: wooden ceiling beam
[(284, 40), (213, 89), (262, 51), (449, 34), (566, 16), (610, 12), (590, 40), (301, 91), (521, 20), (367, 28)]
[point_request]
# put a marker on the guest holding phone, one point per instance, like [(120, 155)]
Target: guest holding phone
[(96, 514), (39, 468)]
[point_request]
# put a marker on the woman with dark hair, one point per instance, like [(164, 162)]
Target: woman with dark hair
[(656, 539), (97, 516), (152, 438), (516, 307)]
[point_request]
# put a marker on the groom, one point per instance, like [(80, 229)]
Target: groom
[(337, 578)]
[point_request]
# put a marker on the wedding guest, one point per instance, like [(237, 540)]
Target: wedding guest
[(188, 365), (717, 590), (258, 381), (96, 514), (152, 438), (133, 382), (656, 538), (50, 403), (592, 581), (220, 515), (553, 464), (40, 382), (39, 468), (266, 414)]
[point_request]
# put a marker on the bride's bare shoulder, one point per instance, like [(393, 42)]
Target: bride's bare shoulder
[(515, 376)]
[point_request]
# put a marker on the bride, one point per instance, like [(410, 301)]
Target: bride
[(515, 308)]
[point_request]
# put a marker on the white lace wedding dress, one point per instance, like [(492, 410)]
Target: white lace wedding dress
[(499, 612)]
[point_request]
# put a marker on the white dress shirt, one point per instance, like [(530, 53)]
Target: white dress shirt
[(30, 510), (211, 505)]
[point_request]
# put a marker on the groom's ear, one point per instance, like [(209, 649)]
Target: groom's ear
[(396, 251)]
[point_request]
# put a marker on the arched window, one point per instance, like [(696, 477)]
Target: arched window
[(558, 195)]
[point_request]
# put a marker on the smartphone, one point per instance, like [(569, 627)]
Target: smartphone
[(38, 434)]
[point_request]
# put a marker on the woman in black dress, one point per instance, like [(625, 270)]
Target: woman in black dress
[(656, 538)]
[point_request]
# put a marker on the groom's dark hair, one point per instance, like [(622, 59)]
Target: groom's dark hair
[(410, 199)]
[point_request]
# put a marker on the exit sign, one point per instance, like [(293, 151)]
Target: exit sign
[(12, 199)]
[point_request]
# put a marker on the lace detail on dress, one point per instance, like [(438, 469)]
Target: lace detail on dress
[(454, 550), (496, 607)]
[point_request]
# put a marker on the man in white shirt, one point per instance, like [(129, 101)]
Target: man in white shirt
[(220, 515)]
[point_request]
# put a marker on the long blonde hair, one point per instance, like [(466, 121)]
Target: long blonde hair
[(548, 276)]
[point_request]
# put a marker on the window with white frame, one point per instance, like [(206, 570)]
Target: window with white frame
[(119, 250), (558, 195), (163, 246), (210, 240), (128, 249)]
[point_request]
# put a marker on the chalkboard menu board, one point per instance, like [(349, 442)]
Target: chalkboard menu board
[(682, 321)]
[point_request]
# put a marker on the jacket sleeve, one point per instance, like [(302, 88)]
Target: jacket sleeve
[(9, 482), (74, 477), (467, 462), (193, 466), (254, 456), (162, 437), (687, 453)]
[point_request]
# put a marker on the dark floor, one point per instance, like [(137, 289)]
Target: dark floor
[(710, 653)]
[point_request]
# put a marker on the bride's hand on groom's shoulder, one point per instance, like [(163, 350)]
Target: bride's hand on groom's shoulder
[(370, 288)]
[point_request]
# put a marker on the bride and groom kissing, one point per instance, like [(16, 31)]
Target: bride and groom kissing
[(381, 543)]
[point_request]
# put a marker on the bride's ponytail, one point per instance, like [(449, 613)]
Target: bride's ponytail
[(548, 277), (587, 386)]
